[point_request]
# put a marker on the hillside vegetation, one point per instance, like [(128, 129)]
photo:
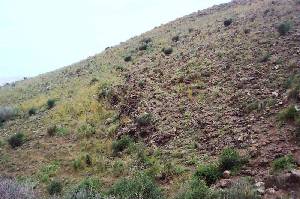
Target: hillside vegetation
[(206, 106)]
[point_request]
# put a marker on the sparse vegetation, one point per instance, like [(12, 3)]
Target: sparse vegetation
[(16, 140), (284, 28), (143, 47), (265, 58), (55, 187), (283, 163)]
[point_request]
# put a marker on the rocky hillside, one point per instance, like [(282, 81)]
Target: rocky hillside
[(166, 103)]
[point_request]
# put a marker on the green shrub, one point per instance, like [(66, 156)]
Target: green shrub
[(55, 187), (127, 58), (88, 160), (140, 186), (144, 119), (143, 47), (89, 188), (209, 173), (51, 131), (77, 164), (196, 189), (86, 130), (146, 40), (228, 22), (7, 113), (241, 189), (50, 103), (175, 38), (32, 111), (121, 144), (16, 140), (288, 114), (48, 171), (284, 28), (283, 163), (230, 160), (167, 50), (118, 168)]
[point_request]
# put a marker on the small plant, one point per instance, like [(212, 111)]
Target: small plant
[(86, 130), (144, 119), (241, 189), (118, 168), (54, 188), (88, 189), (146, 40), (11, 189), (283, 163), (32, 111), (209, 173), (48, 171), (288, 114), (265, 58), (88, 160), (50, 103), (196, 189), (7, 113), (143, 47), (127, 58), (284, 28), (77, 164), (93, 81), (121, 144), (167, 50), (140, 186), (228, 22), (51, 131), (230, 160), (16, 140), (175, 38)]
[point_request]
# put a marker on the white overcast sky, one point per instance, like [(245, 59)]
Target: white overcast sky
[(38, 36)]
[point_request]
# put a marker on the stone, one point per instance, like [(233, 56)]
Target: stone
[(260, 187), (225, 183), (226, 174)]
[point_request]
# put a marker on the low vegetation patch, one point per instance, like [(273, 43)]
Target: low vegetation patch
[(283, 163), (228, 22), (284, 28), (230, 160), (210, 173), (7, 113), (51, 103), (127, 58), (288, 114), (168, 50), (16, 140), (241, 189), (32, 111), (121, 144), (139, 186), (11, 189), (196, 189), (55, 187), (145, 119)]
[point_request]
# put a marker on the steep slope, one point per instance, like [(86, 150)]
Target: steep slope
[(222, 85)]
